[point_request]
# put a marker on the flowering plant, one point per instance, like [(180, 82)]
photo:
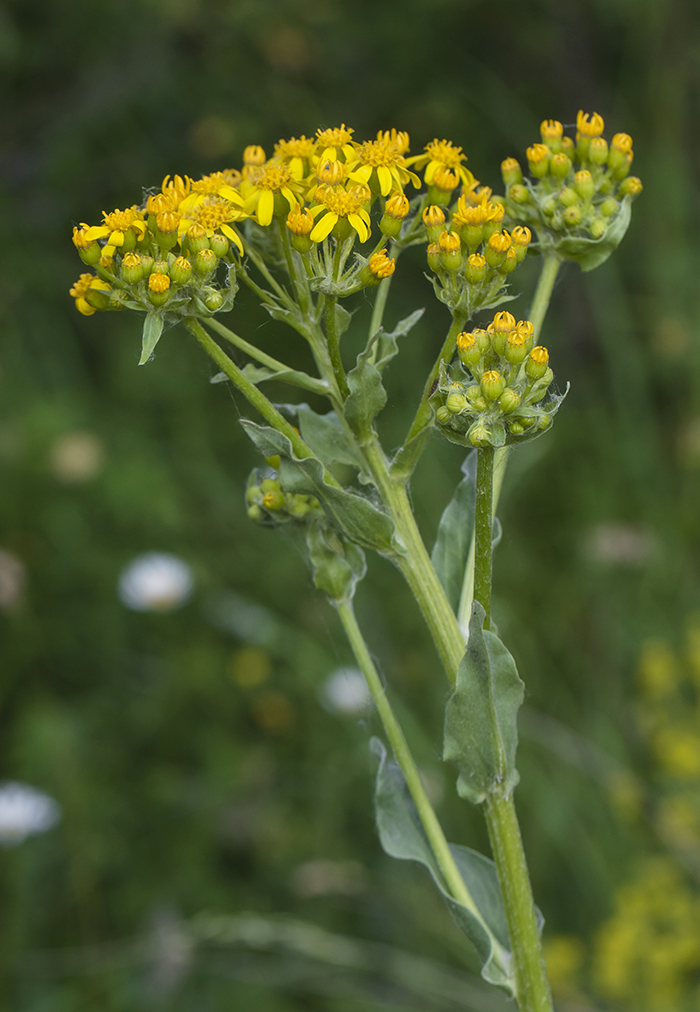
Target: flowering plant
[(288, 228)]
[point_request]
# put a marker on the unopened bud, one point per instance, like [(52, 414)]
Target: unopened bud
[(538, 159), (536, 364), (181, 271), (572, 215), (511, 171), (475, 268), (456, 403), (131, 269), (519, 193), (273, 501), (434, 221), (196, 238), (510, 262), (496, 248), (568, 196), (206, 262), (560, 165), (522, 237), (516, 349), (584, 185), (300, 224), (548, 206), (450, 250), (434, 262), (479, 435), (609, 207), (254, 155), (509, 400), (632, 186), (551, 132), (620, 148), (444, 181), (492, 385), (379, 266), (395, 210), (598, 227), (219, 243), (158, 289), (468, 349), (598, 151), (443, 414)]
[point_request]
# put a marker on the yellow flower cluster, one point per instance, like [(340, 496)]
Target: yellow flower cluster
[(577, 184), (320, 186)]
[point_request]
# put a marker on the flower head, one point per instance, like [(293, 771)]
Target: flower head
[(589, 124), (384, 161), (85, 284), (213, 214), (335, 203), (442, 153), (297, 154), (333, 140), (261, 186), (116, 225)]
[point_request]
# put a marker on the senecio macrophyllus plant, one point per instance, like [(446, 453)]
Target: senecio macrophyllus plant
[(325, 219)]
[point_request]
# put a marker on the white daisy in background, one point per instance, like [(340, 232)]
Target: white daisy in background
[(156, 581), (25, 811), (345, 691)]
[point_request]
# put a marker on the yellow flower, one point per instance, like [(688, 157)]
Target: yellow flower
[(442, 153), (116, 225), (335, 203), (213, 213), (380, 265), (551, 130), (261, 186), (300, 222), (589, 124), (81, 289), (216, 184), (384, 160), (398, 137), (397, 206), (297, 154), (330, 142)]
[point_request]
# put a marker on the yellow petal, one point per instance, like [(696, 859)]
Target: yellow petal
[(103, 286), (385, 180), (116, 238), (139, 227), (414, 179), (430, 172), (359, 226), (314, 211), (188, 202), (324, 227), (231, 234), (290, 197), (230, 194), (361, 175), (266, 206), (296, 168), (84, 307), (96, 232)]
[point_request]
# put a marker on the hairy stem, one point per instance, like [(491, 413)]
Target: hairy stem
[(334, 346), (483, 531)]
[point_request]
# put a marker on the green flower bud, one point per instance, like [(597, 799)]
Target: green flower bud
[(443, 414), (450, 251), (273, 501), (548, 207), (598, 227), (609, 207), (544, 422), (572, 215), (516, 348), (91, 254), (632, 186), (516, 428), (301, 243), (390, 226), (483, 339), (568, 197), (131, 269), (584, 185), (511, 172), (456, 403), (254, 512), (195, 239), (253, 493), (299, 506), (475, 269), (509, 400), (117, 299), (538, 156), (510, 262), (479, 435), (560, 165), (181, 271), (212, 299), (519, 193), (468, 349), (536, 364), (206, 262), (269, 485), (147, 264), (219, 244), (598, 151), (492, 385), (434, 262)]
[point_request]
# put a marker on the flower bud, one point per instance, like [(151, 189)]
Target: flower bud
[(273, 501), (331, 172), (456, 403), (560, 165), (254, 512), (598, 227), (522, 237), (598, 151), (450, 250), (395, 210), (568, 146), (548, 206), (588, 126), (620, 148), (519, 193), (609, 207), (158, 288), (509, 400), (479, 435), (147, 264), (166, 229), (572, 215), (131, 269), (475, 269), (620, 171), (536, 364), (496, 249), (158, 202), (443, 414), (492, 385), (378, 267), (444, 181), (538, 159), (468, 349), (527, 329), (206, 262), (254, 155), (510, 262), (568, 197), (584, 185), (89, 251), (300, 224), (181, 271), (515, 428), (511, 171), (551, 132), (483, 339), (631, 186), (196, 237), (219, 243), (516, 349), (434, 221), (434, 262)]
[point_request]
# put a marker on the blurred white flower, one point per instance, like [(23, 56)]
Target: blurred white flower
[(12, 577), (155, 581), (345, 691), (76, 456), (25, 811)]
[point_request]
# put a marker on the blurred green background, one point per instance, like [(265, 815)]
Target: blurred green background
[(199, 776)]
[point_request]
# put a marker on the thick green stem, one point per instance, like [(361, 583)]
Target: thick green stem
[(543, 292), (334, 346), (433, 829), (415, 564), (379, 306), (531, 985), (532, 989), (422, 416)]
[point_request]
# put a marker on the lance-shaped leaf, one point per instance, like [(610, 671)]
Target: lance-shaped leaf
[(367, 395), (356, 516), (481, 732), (455, 532), (326, 436), (402, 836), (337, 564), (591, 253), (152, 329)]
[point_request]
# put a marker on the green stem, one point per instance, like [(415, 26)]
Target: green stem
[(334, 346), (316, 386), (543, 292), (422, 416), (379, 306), (532, 989), (433, 829), (415, 564), (258, 399)]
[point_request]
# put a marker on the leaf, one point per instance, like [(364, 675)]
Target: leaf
[(152, 329), (408, 456), (326, 436), (367, 394), (259, 374), (342, 320), (591, 253), (481, 732), (455, 533), (402, 836), (357, 518), (337, 564), (385, 346)]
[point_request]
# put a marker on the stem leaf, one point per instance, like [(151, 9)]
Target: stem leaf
[(357, 518), (402, 836), (337, 564), (481, 733), (326, 436), (367, 394), (385, 346), (455, 534), (591, 253), (152, 329)]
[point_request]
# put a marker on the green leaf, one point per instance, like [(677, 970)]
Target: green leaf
[(385, 346), (591, 253), (342, 320), (152, 329), (367, 396), (481, 732), (260, 373), (408, 456), (357, 518), (337, 564), (455, 533), (402, 836), (326, 436)]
